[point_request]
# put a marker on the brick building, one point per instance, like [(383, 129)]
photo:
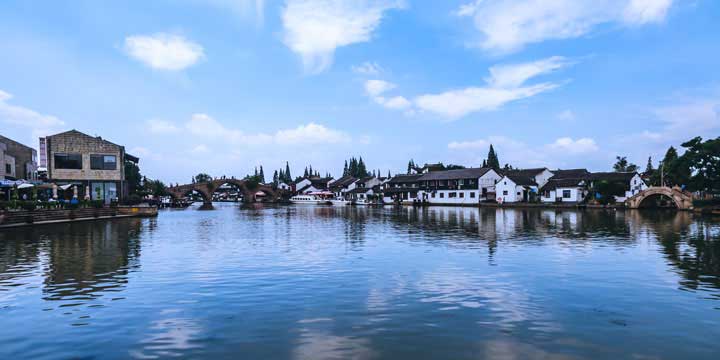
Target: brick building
[(17, 161), (94, 165)]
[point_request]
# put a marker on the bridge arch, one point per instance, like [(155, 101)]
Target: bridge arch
[(681, 199), (206, 189)]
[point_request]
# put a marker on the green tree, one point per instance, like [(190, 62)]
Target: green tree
[(622, 165), (203, 178), (492, 158), (288, 177), (262, 175), (701, 161), (133, 178)]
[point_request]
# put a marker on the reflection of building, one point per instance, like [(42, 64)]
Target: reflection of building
[(95, 165), (17, 160)]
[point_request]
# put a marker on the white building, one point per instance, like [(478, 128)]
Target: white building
[(564, 190), (458, 187), (401, 188), (513, 188)]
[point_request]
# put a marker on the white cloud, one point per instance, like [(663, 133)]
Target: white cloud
[(368, 68), (513, 76), (157, 126), (314, 29), (199, 149), (164, 51), (397, 102), (378, 87), (40, 124), (563, 152), (579, 146), (509, 25), (506, 83), (311, 134), (203, 125), (458, 103)]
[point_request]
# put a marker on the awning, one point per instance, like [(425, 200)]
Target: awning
[(25, 186), (65, 187)]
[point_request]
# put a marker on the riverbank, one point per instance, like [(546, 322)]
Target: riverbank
[(10, 219)]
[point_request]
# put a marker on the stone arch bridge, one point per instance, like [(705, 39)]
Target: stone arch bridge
[(206, 189), (682, 199)]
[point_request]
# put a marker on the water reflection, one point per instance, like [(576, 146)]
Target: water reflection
[(363, 282), (78, 262)]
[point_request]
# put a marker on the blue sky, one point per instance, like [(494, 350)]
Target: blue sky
[(225, 85)]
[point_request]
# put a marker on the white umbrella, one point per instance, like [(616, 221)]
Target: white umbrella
[(65, 187), (25, 186)]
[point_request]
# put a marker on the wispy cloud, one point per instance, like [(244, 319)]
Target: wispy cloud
[(39, 124), (505, 84), (507, 26), (368, 68), (314, 29), (163, 51), (205, 127)]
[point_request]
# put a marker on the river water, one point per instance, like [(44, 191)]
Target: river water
[(303, 282)]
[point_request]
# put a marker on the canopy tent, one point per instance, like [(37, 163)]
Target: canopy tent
[(25, 186)]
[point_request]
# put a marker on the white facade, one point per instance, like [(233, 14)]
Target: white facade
[(486, 185), (507, 191), (564, 194), (283, 186), (637, 184)]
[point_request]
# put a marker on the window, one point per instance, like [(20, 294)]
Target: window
[(472, 194), (566, 194), (103, 162), (452, 195), (432, 195), (68, 161), (505, 192), (462, 195), (442, 195), (8, 169)]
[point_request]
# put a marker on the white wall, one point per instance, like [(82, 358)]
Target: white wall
[(507, 190), (542, 178), (443, 197), (576, 195)]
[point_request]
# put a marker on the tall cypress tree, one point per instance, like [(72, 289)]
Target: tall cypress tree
[(492, 159), (288, 177), (262, 175)]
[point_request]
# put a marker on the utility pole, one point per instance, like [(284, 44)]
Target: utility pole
[(662, 175)]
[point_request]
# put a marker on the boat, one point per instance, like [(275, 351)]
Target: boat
[(362, 202), (308, 199), (340, 202)]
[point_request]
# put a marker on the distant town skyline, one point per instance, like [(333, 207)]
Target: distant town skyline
[(224, 86)]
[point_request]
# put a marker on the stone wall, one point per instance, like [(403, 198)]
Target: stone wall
[(75, 142)]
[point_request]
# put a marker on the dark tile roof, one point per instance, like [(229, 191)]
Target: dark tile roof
[(471, 173), (570, 174), (360, 190), (523, 172), (612, 176), (403, 179), (343, 182), (553, 184), (399, 190), (522, 180)]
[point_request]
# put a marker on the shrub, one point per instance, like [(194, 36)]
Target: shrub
[(97, 204)]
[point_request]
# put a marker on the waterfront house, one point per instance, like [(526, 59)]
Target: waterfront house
[(92, 164), (342, 185), (361, 193), (631, 183), (401, 188), (17, 161), (311, 184), (516, 187), (283, 186), (461, 186), (564, 190)]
